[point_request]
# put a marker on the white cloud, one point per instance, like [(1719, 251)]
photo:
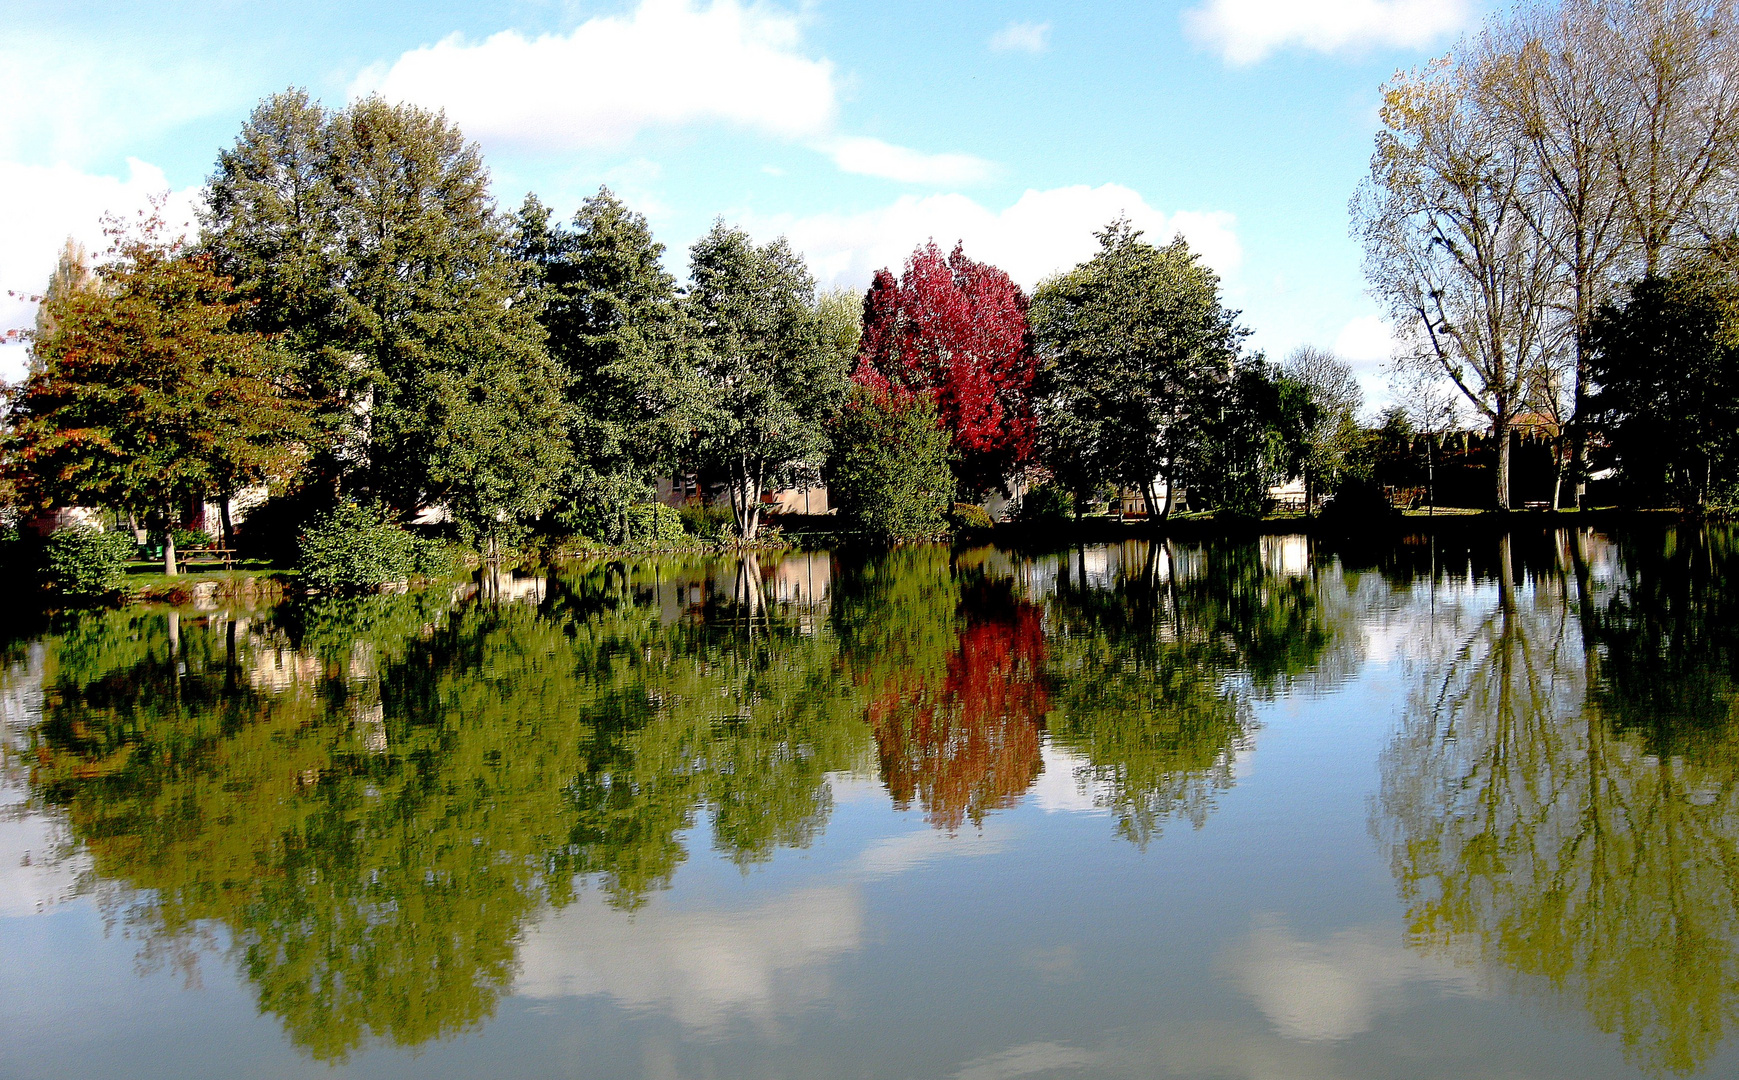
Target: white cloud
[(64, 202), (1325, 991), (1365, 342), (899, 854), (1247, 31), (1024, 37), (1067, 784), (667, 64), (704, 966), (873, 157), (1030, 1059), (1042, 233), (77, 102)]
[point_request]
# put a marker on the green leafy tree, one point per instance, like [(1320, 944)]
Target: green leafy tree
[(1137, 350), (769, 381), (368, 239), (889, 473), (145, 392), (1257, 437), (1665, 362), (617, 330)]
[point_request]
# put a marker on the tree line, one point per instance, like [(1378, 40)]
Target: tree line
[(1549, 220), (357, 320)]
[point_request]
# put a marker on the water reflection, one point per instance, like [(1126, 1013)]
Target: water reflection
[(1560, 805), (373, 800)]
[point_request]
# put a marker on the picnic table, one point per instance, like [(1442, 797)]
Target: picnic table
[(212, 555)]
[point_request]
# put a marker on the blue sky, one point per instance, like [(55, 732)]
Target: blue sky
[(859, 129)]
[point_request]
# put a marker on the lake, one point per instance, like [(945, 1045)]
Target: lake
[(1277, 808)]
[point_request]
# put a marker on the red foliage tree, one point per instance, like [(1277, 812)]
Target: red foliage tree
[(957, 329)]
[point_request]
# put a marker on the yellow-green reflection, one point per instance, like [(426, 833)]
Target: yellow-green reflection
[(1560, 804)]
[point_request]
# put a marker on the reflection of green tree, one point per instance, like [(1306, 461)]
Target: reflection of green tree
[(1529, 829), (1153, 674), (374, 843)]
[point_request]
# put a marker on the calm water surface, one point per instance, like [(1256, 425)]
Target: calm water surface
[(1261, 810)]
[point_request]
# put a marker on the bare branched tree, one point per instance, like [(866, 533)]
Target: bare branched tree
[(1449, 247)]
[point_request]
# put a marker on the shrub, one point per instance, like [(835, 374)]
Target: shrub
[(435, 559), (706, 521), (85, 564), (356, 547), (969, 517), (654, 524), (1359, 500), (188, 539), (891, 471), (1047, 504)]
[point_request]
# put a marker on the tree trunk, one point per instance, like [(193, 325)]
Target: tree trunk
[(228, 525), (1170, 497), (168, 545), (1501, 428)]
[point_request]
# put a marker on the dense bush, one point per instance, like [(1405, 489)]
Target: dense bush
[(356, 547), (1046, 504), (890, 474), (654, 524), (85, 564), (969, 517), (188, 539), (1357, 501), (706, 521)]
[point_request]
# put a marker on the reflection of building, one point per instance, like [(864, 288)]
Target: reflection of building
[(1287, 556)]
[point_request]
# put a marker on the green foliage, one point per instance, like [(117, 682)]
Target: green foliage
[(1256, 438), (1666, 361), (969, 517), (654, 525), (622, 339), (890, 470), (706, 521), (187, 539), (356, 547), (1047, 504), (1137, 349), (768, 382), (367, 240), (84, 564)]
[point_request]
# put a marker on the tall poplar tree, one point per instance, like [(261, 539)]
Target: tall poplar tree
[(620, 336)]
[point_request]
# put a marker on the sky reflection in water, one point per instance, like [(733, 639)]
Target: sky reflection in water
[(1244, 809)]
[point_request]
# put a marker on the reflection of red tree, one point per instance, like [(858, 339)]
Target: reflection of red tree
[(973, 747)]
